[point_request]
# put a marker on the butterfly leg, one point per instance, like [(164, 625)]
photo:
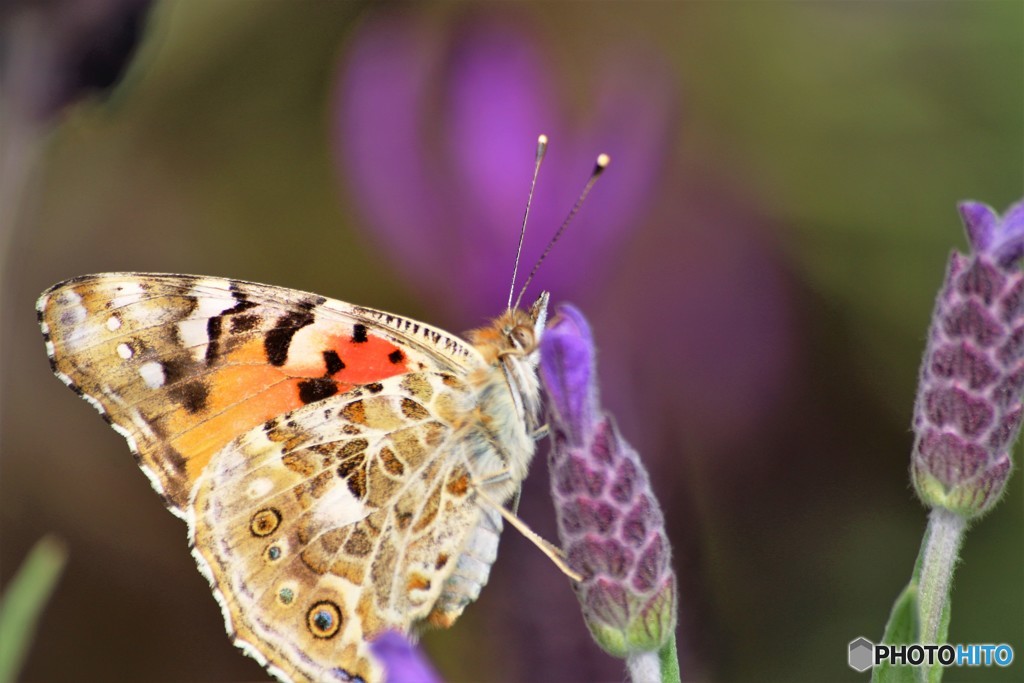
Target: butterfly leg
[(540, 432), (513, 505), (499, 477), (553, 552)]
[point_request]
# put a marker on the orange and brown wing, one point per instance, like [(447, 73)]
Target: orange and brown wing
[(182, 365)]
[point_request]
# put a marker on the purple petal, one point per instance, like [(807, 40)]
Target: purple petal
[(402, 661), (1013, 219), (379, 101), (980, 221), (1010, 239), (499, 101), (567, 371)]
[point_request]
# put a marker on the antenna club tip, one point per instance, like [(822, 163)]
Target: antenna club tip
[(603, 160), (542, 147)]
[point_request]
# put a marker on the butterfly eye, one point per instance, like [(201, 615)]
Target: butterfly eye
[(522, 337)]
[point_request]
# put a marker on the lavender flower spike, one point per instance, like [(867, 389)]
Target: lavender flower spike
[(609, 521), (402, 661), (968, 409)]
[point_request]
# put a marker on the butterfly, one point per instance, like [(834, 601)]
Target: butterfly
[(340, 469)]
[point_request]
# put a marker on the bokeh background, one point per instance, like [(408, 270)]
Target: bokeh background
[(759, 264)]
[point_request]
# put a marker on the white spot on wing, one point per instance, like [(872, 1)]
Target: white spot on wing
[(124, 351), (127, 294), (72, 302), (260, 488), (337, 507), (192, 329), (113, 323), (152, 374)]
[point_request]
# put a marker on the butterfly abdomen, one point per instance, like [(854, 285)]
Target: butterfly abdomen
[(472, 570)]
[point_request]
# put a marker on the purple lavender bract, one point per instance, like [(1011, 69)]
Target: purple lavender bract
[(968, 409), (609, 522), (402, 661)]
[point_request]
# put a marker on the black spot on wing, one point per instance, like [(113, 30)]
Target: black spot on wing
[(358, 333), (333, 362), (244, 323), (317, 389), (279, 338), (242, 306), (213, 330), (215, 325), (396, 356), (176, 369), (191, 396)]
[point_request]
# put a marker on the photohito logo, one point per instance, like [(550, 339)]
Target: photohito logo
[(863, 654)]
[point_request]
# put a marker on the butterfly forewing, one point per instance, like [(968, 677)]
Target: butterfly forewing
[(181, 365)]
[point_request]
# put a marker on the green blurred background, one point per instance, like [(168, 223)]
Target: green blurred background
[(854, 127)]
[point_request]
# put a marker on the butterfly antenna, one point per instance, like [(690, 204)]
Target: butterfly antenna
[(602, 163), (542, 147)]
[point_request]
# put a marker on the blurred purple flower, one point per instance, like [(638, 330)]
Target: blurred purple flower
[(609, 522), (968, 409), (52, 53), (56, 52), (436, 133), (402, 661)]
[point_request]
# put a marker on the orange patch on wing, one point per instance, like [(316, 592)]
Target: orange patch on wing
[(368, 361), (457, 486), (244, 392), (417, 582)]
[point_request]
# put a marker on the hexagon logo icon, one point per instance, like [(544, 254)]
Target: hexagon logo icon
[(862, 653)]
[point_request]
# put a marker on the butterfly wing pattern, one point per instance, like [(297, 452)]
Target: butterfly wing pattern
[(327, 458)]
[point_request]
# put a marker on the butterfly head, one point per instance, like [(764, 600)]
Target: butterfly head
[(515, 333)]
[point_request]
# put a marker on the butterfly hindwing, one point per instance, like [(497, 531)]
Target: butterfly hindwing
[(327, 525), (181, 365)]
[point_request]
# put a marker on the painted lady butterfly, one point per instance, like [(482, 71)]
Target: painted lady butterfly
[(336, 465)]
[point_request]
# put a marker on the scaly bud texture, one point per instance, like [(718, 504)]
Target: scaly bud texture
[(609, 522), (968, 409)]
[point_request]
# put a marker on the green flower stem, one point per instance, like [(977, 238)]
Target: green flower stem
[(921, 612), (942, 549), (669, 659)]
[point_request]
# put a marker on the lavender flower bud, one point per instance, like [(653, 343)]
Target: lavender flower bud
[(402, 661), (609, 522), (968, 409)]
